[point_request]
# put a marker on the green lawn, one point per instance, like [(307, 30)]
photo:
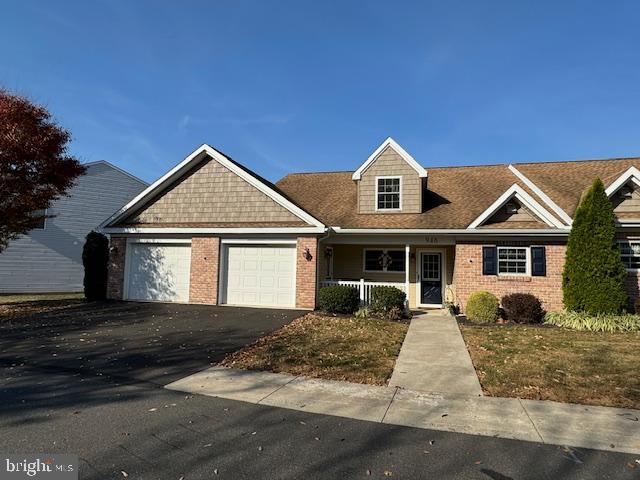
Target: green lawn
[(552, 363), (336, 348)]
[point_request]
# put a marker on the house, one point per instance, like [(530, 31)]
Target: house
[(211, 231), (49, 258)]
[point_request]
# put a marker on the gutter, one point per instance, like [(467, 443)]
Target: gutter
[(560, 232)]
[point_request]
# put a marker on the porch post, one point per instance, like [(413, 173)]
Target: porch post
[(407, 249)]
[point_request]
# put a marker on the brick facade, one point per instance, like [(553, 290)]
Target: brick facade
[(115, 275), (205, 255), (468, 276), (306, 272)]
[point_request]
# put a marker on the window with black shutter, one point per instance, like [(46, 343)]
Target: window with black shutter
[(538, 262), (489, 261)]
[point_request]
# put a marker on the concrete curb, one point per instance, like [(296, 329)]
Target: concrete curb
[(602, 428)]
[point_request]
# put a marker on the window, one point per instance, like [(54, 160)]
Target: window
[(384, 261), (630, 254), (513, 261), (42, 220), (388, 193)]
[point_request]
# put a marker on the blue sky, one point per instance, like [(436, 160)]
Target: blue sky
[(314, 86)]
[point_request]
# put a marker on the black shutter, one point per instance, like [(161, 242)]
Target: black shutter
[(489, 261), (538, 262)]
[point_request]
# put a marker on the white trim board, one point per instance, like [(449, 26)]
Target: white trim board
[(553, 205), (516, 191), (390, 142), (195, 230), (632, 173), (199, 155), (564, 231)]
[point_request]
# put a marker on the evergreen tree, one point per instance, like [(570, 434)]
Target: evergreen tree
[(593, 280), (95, 258)]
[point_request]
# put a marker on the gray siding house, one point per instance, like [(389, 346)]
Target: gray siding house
[(49, 259)]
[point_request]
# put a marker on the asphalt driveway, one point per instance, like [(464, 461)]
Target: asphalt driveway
[(87, 379), (150, 342)]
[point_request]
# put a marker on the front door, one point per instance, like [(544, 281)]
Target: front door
[(431, 278)]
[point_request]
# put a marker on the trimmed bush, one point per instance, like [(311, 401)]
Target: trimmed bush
[(593, 280), (95, 258), (338, 299), (594, 323), (522, 308), (482, 307), (384, 299)]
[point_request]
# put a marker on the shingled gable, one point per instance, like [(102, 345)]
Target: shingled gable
[(199, 194), (389, 143), (518, 193)]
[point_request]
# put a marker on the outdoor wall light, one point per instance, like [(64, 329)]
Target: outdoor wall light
[(113, 249), (307, 254)]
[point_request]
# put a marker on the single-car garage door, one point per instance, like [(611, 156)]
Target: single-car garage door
[(158, 272), (260, 275)]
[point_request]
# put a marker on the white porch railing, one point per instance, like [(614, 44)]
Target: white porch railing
[(364, 287)]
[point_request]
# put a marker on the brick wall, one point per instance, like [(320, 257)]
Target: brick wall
[(468, 276), (306, 272), (205, 255), (115, 276)]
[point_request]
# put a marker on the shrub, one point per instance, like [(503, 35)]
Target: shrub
[(339, 299), (383, 299), (482, 307), (95, 258), (522, 308), (594, 323), (362, 312), (594, 275)]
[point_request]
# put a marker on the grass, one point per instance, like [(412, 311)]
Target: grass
[(322, 346), (38, 297), (550, 363), (14, 306)]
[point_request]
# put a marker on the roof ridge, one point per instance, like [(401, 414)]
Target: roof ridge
[(442, 167)]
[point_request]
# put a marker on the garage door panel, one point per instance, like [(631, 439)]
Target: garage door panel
[(260, 275), (159, 272)]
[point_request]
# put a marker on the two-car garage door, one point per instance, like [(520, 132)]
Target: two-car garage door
[(254, 275)]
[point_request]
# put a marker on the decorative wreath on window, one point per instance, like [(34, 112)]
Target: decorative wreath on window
[(385, 260)]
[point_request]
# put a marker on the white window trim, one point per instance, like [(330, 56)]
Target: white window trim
[(364, 260), (629, 241), (388, 177), (511, 274)]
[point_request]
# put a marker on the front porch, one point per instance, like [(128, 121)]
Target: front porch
[(423, 271)]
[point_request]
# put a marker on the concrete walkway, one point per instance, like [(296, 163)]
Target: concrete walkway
[(603, 428), (434, 358)]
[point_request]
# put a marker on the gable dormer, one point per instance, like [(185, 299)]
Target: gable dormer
[(390, 181), (624, 193)]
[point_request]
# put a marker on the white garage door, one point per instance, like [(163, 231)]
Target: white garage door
[(158, 272), (260, 275)]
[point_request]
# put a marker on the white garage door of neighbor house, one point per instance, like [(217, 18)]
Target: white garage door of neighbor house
[(260, 276), (158, 272)]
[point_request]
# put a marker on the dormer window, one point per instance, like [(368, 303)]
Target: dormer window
[(388, 193)]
